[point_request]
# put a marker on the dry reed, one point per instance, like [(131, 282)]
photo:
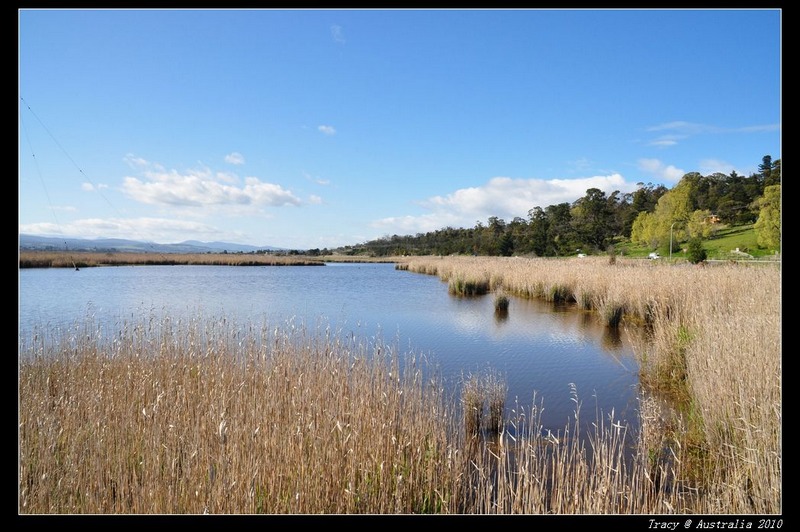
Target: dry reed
[(85, 259), (195, 417), (713, 354), (220, 417)]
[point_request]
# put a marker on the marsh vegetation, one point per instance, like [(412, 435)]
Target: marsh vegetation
[(212, 415), (87, 259)]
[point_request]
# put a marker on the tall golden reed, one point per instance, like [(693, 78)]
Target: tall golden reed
[(714, 348), (85, 259), (209, 415), (225, 418)]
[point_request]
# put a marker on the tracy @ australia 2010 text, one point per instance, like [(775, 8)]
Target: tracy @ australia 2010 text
[(716, 523)]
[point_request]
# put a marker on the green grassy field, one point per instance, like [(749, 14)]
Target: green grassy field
[(742, 237), (721, 247)]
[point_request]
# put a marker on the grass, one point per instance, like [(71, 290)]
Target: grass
[(461, 286), (219, 417), (88, 259), (63, 259), (224, 418), (483, 400), (729, 239), (712, 361), (501, 303), (720, 247)]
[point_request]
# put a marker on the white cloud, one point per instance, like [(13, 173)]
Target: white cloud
[(658, 169), (135, 162), (327, 130), (234, 158), (693, 128), (337, 34), (226, 177), (313, 199), (87, 186), (317, 180), (713, 166), (681, 129), (203, 188), (663, 142), (507, 197), (503, 197), (411, 225), (758, 129), (580, 165), (163, 230)]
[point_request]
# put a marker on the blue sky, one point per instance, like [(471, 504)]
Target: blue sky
[(321, 128)]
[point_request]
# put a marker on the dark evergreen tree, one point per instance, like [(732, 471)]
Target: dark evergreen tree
[(593, 219), (765, 168), (539, 226), (774, 175), (506, 244), (695, 251), (561, 237)]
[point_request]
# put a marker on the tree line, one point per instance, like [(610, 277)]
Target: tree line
[(652, 216)]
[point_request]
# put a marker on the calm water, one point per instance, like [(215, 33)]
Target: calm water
[(537, 348)]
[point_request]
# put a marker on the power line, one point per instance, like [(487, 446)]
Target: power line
[(96, 188)]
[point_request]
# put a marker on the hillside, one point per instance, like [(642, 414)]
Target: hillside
[(32, 242)]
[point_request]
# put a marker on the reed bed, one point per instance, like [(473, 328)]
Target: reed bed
[(218, 418), (712, 364), (80, 259), (211, 416)]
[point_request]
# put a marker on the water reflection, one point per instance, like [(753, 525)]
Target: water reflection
[(539, 348), (500, 315), (612, 339)]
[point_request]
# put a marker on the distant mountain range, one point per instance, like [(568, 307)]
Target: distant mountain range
[(45, 243)]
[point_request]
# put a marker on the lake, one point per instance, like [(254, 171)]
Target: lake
[(537, 347)]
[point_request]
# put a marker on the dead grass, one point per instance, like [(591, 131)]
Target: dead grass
[(713, 356), (219, 417), (61, 259)]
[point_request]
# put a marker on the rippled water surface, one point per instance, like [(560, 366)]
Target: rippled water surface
[(536, 347)]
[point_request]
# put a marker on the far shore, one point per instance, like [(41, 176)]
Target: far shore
[(89, 259)]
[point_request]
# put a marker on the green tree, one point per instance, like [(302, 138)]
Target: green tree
[(644, 199), (637, 229), (538, 227), (734, 205), (506, 244), (592, 218), (774, 175), (520, 235), (765, 168), (491, 236), (768, 225), (707, 191), (695, 251), (643, 231), (561, 237), (671, 215), (699, 224)]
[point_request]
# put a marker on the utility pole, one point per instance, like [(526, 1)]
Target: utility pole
[(670, 240)]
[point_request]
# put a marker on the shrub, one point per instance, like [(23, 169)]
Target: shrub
[(695, 252), (612, 255), (501, 303)]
